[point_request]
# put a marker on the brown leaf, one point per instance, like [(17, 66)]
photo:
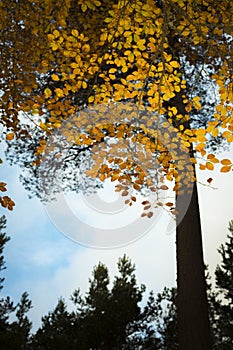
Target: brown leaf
[(145, 202), (125, 193), (169, 204)]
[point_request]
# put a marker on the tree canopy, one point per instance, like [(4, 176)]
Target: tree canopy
[(169, 62), (138, 92)]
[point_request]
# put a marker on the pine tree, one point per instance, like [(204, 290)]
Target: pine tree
[(56, 330), (166, 323), (105, 318), (3, 240), (224, 284), (13, 335)]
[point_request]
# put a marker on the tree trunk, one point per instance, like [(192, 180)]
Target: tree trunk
[(193, 320)]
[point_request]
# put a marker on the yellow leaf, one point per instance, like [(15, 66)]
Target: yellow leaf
[(196, 103), (10, 136), (108, 20), (112, 70), (54, 46), (47, 92), (186, 32), (84, 7), (209, 166), (56, 33), (91, 99), (74, 32), (84, 85), (174, 64), (97, 3), (55, 77), (215, 132), (59, 92), (103, 36), (230, 138), (131, 57), (141, 45)]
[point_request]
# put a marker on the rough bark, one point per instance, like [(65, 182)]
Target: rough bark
[(193, 320)]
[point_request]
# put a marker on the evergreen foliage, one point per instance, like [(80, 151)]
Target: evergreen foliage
[(112, 316)]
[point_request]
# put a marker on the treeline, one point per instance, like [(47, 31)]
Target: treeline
[(115, 317)]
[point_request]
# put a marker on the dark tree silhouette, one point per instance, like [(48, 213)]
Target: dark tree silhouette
[(106, 318), (14, 335)]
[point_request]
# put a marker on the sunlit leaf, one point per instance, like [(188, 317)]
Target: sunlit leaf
[(10, 136), (225, 169)]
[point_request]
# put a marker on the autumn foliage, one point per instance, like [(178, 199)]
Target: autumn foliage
[(130, 71)]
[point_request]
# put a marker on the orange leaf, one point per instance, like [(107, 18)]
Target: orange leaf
[(225, 169), (10, 136), (114, 177), (102, 177), (210, 156), (169, 204), (201, 166), (209, 166), (136, 187), (225, 162), (7, 202)]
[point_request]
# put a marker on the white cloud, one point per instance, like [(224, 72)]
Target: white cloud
[(154, 256), (48, 265)]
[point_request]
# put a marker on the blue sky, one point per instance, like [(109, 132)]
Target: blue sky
[(46, 264)]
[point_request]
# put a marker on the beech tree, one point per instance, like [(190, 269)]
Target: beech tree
[(87, 72)]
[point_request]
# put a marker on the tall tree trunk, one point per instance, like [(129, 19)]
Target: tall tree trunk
[(193, 320)]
